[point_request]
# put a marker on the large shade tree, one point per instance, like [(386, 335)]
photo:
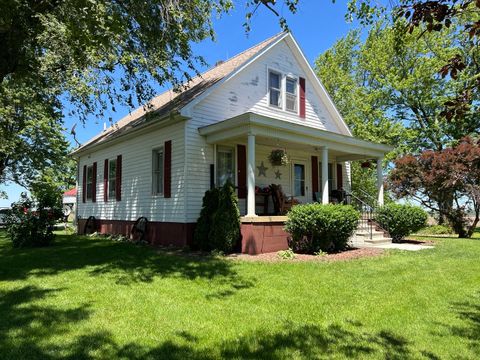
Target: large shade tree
[(91, 55), (389, 89)]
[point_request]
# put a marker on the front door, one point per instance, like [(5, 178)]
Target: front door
[(299, 183)]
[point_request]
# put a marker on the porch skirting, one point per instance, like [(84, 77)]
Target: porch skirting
[(259, 235), (158, 233), (263, 234)]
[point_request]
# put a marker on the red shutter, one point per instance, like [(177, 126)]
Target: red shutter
[(314, 177), (84, 184), (167, 169), (242, 171), (339, 176), (94, 182), (118, 179), (302, 97), (105, 181)]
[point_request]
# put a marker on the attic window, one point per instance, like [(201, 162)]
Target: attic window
[(291, 94), (274, 86)]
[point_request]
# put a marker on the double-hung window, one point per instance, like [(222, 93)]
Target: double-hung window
[(157, 171), (112, 178), (225, 165), (89, 182), (291, 98), (275, 88)]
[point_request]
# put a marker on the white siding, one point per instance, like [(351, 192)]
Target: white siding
[(199, 176), (248, 92), (137, 199)]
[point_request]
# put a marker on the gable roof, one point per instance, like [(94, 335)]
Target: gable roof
[(171, 101)]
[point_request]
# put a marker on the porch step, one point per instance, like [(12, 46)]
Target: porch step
[(378, 241), (366, 236)]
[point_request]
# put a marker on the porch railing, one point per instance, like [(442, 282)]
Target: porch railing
[(368, 206), (366, 211)]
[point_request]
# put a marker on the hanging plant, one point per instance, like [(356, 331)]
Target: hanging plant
[(278, 157), (366, 165)]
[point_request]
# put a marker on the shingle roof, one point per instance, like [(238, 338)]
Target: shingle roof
[(171, 101)]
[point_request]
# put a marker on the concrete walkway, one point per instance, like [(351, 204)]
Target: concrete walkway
[(407, 247)]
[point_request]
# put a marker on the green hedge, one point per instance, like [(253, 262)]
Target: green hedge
[(218, 227), (315, 227), (401, 220)]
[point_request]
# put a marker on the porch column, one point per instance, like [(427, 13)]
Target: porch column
[(325, 175), (380, 181), (251, 176)]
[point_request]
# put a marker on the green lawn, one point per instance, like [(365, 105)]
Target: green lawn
[(90, 298)]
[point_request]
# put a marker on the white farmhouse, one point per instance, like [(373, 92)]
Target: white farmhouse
[(224, 127)]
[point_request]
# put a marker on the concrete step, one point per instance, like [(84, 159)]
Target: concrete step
[(378, 241), (366, 234)]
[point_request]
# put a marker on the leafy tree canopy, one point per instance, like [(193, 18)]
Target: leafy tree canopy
[(72, 51), (388, 87)]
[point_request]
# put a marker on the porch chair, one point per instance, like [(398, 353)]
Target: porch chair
[(281, 203)]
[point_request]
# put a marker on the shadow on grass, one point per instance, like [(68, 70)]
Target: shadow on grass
[(469, 313), (25, 323), (124, 262), (293, 340), (29, 329)]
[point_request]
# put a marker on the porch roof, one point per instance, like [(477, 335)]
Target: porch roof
[(347, 148)]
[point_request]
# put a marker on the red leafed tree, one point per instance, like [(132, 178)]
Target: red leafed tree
[(434, 177)]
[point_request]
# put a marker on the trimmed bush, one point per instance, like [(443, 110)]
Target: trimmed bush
[(205, 221), (401, 220), (225, 231), (218, 227), (317, 227)]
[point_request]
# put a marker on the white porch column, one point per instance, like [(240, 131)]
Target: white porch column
[(380, 181), (325, 175), (251, 176)]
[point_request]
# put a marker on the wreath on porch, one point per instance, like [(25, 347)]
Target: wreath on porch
[(278, 157)]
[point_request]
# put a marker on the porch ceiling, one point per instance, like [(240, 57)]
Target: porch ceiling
[(272, 132)]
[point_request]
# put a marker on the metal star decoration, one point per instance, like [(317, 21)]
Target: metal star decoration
[(262, 170), (278, 174)]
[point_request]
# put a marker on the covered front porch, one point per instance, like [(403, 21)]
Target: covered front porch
[(319, 161), (317, 170)]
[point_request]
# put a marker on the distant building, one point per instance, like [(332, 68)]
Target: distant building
[(69, 200)]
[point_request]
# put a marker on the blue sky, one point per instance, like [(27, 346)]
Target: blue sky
[(316, 27)]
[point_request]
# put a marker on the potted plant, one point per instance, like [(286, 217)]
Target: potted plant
[(278, 157)]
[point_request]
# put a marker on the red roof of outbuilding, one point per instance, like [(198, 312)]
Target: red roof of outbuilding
[(71, 192)]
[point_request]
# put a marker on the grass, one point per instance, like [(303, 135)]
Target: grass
[(89, 298)]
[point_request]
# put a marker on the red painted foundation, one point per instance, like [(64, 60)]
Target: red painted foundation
[(257, 237), (263, 237), (158, 233)]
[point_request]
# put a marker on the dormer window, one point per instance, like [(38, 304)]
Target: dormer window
[(291, 94), (275, 88)]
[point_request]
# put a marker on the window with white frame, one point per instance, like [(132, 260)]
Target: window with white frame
[(291, 98), (275, 88), (157, 171), (89, 182), (225, 165), (112, 178)]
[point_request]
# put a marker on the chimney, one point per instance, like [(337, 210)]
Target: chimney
[(219, 62)]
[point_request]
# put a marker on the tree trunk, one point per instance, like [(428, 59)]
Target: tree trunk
[(473, 226)]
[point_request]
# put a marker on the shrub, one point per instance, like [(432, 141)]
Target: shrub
[(401, 220), (436, 230), (317, 227), (225, 230), (27, 226), (218, 227)]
